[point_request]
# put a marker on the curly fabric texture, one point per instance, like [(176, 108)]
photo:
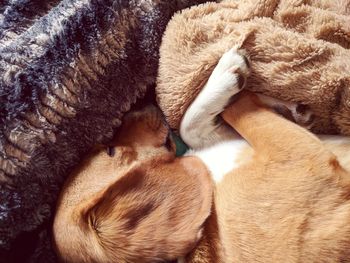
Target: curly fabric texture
[(298, 50), (69, 69)]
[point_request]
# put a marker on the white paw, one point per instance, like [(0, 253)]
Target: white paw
[(230, 74), (232, 58), (303, 115), (296, 112)]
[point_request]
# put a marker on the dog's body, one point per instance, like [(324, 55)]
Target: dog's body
[(280, 194)]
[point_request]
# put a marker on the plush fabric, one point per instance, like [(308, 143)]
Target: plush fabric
[(69, 69), (298, 51)]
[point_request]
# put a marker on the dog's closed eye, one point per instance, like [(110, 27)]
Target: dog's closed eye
[(111, 151)]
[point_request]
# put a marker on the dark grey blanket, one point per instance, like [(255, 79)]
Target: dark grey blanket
[(69, 69)]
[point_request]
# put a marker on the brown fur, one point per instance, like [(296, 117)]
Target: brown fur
[(289, 203), (139, 204), (299, 51)]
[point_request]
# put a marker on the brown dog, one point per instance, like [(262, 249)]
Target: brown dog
[(134, 203), (286, 199)]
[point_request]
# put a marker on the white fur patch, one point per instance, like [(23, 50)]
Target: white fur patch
[(221, 158), (216, 144), (198, 127)]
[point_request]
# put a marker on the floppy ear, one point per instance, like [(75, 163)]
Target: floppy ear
[(154, 212)]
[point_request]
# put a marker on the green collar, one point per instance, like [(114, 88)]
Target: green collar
[(181, 147)]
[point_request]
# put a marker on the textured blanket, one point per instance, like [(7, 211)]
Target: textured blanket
[(298, 49), (69, 69)]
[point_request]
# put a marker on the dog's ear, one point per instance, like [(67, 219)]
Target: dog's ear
[(154, 212)]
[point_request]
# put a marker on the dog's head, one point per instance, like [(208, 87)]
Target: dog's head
[(153, 210)]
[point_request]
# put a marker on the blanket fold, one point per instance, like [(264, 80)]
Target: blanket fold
[(69, 69), (299, 51)]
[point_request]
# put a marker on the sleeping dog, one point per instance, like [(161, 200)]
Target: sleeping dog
[(255, 187)]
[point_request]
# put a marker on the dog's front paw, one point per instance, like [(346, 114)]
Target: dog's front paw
[(298, 113), (303, 115), (230, 74)]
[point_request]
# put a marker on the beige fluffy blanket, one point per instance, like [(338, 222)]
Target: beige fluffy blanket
[(299, 51)]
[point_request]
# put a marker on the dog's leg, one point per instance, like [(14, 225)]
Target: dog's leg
[(268, 133), (200, 125), (298, 113)]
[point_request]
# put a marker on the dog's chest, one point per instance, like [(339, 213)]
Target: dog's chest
[(224, 157)]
